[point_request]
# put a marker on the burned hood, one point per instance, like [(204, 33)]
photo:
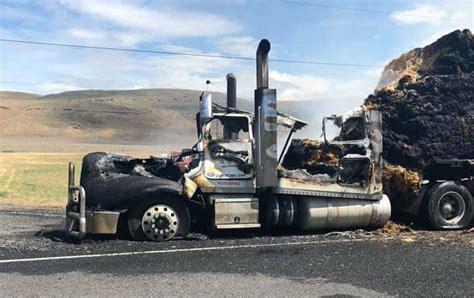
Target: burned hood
[(117, 181)]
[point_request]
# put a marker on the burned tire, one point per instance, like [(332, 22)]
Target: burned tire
[(159, 219), (449, 206)]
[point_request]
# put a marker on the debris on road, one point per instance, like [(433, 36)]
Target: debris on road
[(471, 230), (394, 228)]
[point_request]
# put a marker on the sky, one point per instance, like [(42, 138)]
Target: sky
[(222, 27)]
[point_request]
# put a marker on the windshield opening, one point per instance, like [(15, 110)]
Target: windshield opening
[(237, 125)]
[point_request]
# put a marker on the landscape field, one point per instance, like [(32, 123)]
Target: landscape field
[(34, 178)]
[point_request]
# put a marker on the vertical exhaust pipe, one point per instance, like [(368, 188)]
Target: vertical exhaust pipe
[(231, 91), (265, 124), (262, 63), (231, 102)]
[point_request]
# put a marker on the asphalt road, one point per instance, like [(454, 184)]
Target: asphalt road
[(36, 260)]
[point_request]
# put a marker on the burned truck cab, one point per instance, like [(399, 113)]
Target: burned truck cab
[(236, 180)]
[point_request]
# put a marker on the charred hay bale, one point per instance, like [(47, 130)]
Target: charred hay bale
[(452, 54), (426, 97), (431, 118), (428, 106)]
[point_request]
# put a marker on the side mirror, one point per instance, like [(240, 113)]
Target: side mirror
[(205, 108)]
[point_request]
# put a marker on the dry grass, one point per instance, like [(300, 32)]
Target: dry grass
[(35, 179)]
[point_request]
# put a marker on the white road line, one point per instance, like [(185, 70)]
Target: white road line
[(164, 251)]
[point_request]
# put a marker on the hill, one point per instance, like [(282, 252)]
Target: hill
[(127, 117), (102, 117), (16, 95)]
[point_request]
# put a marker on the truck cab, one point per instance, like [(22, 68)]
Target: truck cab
[(236, 179)]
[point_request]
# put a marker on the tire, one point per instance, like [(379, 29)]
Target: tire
[(449, 206), (159, 218)]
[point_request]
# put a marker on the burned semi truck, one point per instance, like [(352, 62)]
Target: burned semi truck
[(235, 179)]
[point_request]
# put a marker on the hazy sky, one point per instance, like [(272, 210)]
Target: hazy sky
[(297, 32)]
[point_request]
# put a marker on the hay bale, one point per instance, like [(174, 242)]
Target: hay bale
[(427, 101), (428, 110)]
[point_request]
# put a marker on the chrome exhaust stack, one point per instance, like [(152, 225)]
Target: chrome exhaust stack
[(262, 63), (265, 124)]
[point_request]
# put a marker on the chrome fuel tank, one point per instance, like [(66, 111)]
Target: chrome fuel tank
[(316, 213)]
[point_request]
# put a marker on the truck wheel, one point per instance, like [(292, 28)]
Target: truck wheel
[(159, 219), (450, 206)]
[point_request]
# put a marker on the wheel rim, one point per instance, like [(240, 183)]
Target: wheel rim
[(160, 222), (451, 207)]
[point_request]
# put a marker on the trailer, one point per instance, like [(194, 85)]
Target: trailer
[(233, 178), (444, 200)]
